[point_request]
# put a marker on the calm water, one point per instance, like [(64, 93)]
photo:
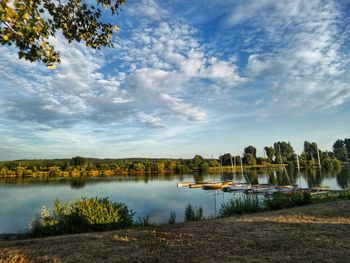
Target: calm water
[(154, 196)]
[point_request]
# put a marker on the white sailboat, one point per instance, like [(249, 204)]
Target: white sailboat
[(237, 186)]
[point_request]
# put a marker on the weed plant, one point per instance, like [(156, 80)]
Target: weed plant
[(193, 213), (241, 205)]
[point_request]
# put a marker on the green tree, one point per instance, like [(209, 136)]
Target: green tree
[(340, 149), (214, 163), (341, 153), (29, 23), (283, 151), (270, 153), (347, 145), (196, 162), (250, 149), (204, 166), (78, 161), (310, 149), (249, 159), (225, 159)]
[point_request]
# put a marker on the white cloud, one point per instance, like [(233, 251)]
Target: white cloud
[(151, 120), (157, 68), (307, 64), (147, 9)]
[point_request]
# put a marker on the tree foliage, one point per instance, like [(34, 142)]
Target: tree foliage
[(341, 149), (284, 151), (83, 215), (250, 150), (270, 153), (225, 159), (29, 24)]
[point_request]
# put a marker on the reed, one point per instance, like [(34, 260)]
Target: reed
[(241, 205), (193, 213)]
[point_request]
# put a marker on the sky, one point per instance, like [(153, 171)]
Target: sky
[(184, 78)]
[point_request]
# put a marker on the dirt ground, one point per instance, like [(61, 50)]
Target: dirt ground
[(315, 233)]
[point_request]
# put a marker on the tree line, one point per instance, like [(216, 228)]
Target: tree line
[(282, 152), (279, 153), (78, 166)]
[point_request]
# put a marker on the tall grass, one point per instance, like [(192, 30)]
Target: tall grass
[(281, 200), (241, 205), (172, 218), (193, 213), (143, 222)]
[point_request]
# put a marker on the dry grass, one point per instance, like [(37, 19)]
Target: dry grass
[(316, 233)]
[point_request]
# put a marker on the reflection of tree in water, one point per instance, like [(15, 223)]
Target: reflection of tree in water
[(293, 176), (314, 177), (282, 178), (252, 177), (78, 182), (271, 178), (198, 177), (343, 178)]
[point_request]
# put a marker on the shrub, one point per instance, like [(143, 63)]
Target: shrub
[(172, 218), (83, 215), (238, 206), (343, 195), (281, 200), (193, 213), (143, 222)]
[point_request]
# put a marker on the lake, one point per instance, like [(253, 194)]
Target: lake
[(150, 195)]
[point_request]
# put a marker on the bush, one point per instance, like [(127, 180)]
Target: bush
[(193, 213), (83, 215), (143, 222), (281, 200), (238, 206), (343, 195), (172, 218)]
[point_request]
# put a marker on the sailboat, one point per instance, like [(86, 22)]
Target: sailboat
[(283, 188), (237, 186)]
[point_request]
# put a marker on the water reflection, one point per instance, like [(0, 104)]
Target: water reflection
[(79, 182), (153, 195), (343, 178), (308, 178)]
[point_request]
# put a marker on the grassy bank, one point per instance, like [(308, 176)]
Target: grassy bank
[(319, 232)]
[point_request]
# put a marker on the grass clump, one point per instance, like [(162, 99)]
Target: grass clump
[(83, 215), (193, 213), (172, 218), (143, 222), (241, 205), (281, 200)]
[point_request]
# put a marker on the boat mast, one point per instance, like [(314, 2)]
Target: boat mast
[(233, 171), (234, 163), (283, 166), (220, 157), (318, 157), (298, 164), (241, 167)]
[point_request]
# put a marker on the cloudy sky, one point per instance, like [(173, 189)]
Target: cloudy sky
[(186, 77)]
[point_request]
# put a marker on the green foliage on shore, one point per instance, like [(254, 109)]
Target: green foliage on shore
[(280, 153), (241, 205), (193, 213), (83, 215), (80, 166), (281, 200)]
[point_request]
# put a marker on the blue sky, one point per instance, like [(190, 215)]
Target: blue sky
[(186, 77)]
